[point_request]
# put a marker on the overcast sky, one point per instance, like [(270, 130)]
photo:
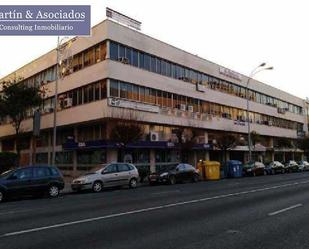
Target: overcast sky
[(238, 34)]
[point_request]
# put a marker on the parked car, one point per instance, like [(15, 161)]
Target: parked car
[(179, 173), (303, 165), (254, 169), (275, 167), (291, 166), (110, 175), (31, 180)]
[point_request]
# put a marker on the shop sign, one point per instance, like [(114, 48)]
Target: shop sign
[(133, 105), (229, 73)]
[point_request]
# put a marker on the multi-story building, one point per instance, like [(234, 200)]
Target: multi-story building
[(120, 73)]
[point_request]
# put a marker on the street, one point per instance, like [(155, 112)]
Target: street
[(252, 212)]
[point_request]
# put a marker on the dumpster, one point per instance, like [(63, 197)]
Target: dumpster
[(234, 168), (212, 170), (201, 168)]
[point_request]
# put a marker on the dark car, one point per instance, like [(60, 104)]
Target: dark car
[(254, 169), (179, 173), (31, 180)]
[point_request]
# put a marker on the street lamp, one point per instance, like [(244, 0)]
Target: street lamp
[(255, 71), (60, 46)]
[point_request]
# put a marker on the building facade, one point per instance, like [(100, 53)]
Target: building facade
[(121, 74)]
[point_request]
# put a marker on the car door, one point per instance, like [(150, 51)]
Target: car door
[(123, 174), (180, 172), (110, 175), (189, 172), (20, 182), (41, 176)]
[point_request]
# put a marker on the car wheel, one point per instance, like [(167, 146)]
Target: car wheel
[(273, 172), (254, 174), (1, 196), (53, 191), (172, 180), (282, 171), (195, 178), (133, 183), (97, 186)]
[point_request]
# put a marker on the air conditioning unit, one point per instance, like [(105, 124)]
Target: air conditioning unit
[(124, 60), (154, 136), (190, 108), (48, 110), (67, 102), (183, 107)]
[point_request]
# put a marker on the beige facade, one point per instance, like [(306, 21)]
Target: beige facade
[(102, 111)]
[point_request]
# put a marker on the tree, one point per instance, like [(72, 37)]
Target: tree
[(126, 132), (255, 138), (186, 140), (16, 99), (225, 142)]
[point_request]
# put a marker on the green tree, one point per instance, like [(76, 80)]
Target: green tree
[(126, 132), (226, 142), (16, 99), (186, 140)]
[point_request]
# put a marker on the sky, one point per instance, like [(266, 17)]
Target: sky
[(237, 34)]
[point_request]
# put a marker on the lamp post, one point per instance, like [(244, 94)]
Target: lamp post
[(60, 47), (255, 71)]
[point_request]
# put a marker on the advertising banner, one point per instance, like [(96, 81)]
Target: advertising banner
[(45, 20)]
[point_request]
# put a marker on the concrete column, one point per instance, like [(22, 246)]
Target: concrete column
[(207, 156), (107, 50), (206, 137), (152, 161), (273, 156)]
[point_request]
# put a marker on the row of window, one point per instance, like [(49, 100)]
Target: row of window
[(143, 94), (71, 64), (125, 54), (78, 96)]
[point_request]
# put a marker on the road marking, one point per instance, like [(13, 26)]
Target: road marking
[(166, 192), (285, 209), (144, 210)]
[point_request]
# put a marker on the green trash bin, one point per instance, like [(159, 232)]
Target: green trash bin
[(212, 170)]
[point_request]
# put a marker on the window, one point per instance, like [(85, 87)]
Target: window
[(77, 63), (135, 93), (114, 88), (153, 64), (121, 51), (163, 67), (41, 158), (40, 172), (97, 90), (110, 169), (123, 167), (113, 51), (89, 57), (147, 62), (103, 89), (123, 90), (142, 94), (158, 66), (23, 174), (168, 69), (141, 59), (129, 55), (135, 58)]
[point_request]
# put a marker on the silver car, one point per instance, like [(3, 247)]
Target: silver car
[(110, 175)]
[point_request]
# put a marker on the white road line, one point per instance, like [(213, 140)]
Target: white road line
[(285, 209), (144, 210)]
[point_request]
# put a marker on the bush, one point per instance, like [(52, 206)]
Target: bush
[(8, 160)]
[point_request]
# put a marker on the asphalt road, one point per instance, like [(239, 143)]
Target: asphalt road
[(253, 212)]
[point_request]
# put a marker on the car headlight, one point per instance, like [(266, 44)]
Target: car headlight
[(164, 174), (80, 181)]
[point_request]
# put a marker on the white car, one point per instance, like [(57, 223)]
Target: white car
[(110, 175), (303, 165), (277, 167)]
